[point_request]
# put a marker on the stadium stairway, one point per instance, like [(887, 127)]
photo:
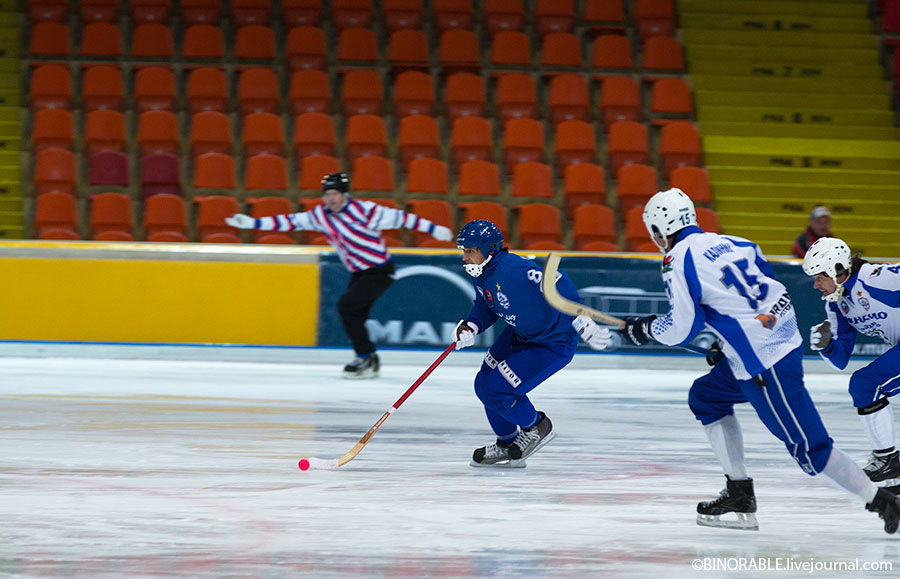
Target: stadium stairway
[(795, 112), (10, 123)]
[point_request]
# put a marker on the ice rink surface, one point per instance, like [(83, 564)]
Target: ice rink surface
[(152, 468)]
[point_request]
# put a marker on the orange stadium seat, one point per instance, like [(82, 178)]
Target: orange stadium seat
[(104, 130), (147, 11), (108, 168), (160, 173), (502, 15), (52, 128), (635, 185), (101, 40), (479, 177), (46, 10), (418, 137), (493, 212), (158, 133), (510, 49), (254, 42), (545, 246), (357, 45), (399, 14), (310, 92), (165, 218), (263, 133), (210, 133), (365, 135), (627, 144), (267, 207), (362, 92), (694, 181), (554, 16), (635, 231), (54, 170), (670, 99), (427, 175), (49, 39), (531, 179), (101, 88), (207, 90), (349, 13), (111, 212), (646, 247), (413, 94), (708, 220), (459, 51), (654, 18), (593, 223), (211, 213), (167, 237), (464, 96), (450, 14), (152, 40), (314, 135), (56, 211), (523, 140), (538, 222), (214, 171), (373, 173), (663, 54), (200, 11), (516, 96), (249, 12), (408, 50), (606, 246), (574, 143), (265, 171), (604, 17), (51, 87), (679, 146), (569, 98), (436, 211), (301, 12), (583, 184), (471, 139), (561, 49), (98, 10), (314, 167), (203, 41), (305, 48), (113, 236), (257, 91), (612, 52), (620, 100), (154, 89)]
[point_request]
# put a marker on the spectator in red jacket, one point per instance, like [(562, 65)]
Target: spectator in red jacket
[(819, 226)]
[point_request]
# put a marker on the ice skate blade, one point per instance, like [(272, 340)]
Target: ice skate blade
[(361, 376), (540, 445), (891, 482), (504, 464), (744, 522)]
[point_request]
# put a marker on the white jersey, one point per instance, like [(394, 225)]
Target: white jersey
[(725, 283), (870, 306)]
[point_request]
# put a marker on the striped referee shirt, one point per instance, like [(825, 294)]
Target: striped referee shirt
[(354, 231)]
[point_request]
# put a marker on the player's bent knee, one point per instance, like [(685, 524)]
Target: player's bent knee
[(862, 390), (493, 392)]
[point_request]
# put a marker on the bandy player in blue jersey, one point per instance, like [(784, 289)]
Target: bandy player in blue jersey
[(861, 298), (725, 283), (537, 342)]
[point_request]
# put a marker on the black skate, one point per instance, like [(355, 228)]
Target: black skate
[(884, 469), (361, 368), (533, 439), (737, 498), (887, 505), (494, 455)]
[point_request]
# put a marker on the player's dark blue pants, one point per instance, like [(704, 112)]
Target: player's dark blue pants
[(511, 369), (783, 405), (876, 380)]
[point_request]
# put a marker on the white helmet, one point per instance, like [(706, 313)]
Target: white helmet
[(668, 212), (831, 256)]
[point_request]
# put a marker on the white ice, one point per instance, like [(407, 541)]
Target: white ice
[(150, 468)]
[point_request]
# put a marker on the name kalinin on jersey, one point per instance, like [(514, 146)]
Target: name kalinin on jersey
[(717, 251)]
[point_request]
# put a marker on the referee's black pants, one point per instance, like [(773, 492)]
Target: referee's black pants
[(363, 289)]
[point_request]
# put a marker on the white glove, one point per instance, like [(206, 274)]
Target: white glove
[(820, 336), (464, 334), (241, 221), (596, 337), (442, 233)]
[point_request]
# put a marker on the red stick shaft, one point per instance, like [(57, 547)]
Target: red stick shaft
[(424, 375)]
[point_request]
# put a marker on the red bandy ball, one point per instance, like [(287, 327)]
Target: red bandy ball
[(304, 464)]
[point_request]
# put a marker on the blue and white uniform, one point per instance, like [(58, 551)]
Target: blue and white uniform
[(870, 305), (725, 283), (538, 341)]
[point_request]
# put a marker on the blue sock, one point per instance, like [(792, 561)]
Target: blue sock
[(369, 355)]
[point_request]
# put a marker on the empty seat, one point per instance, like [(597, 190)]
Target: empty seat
[(679, 146), (436, 211), (604, 16), (54, 170), (479, 177), (654, 18), (147, 11), (51, 87), (152, 40), (248, 12), (310, 92), (200, 11), (510, 49), (523, 140), (561, 49), (450, 14), (101, 88), (464, 96), (257, 91), (606, 246), (263, 133), (362, 92), (663, 54), (268, 207), (365, 135), (516, 96), (708, 220), (620, 100), (593, 223), (459, 52), (305, 48), (158, 133), (104, 130), (98, 10), (49, 39), (471, 139), (493, 212), (569, 98), (265, 171), (301, 12), (670, 99), (314, 167), (52, 128), (165, 218), (160, 173), (56, 211), (413, 94), (254, 42), (207, 90), (357, 45), (635, 185), (408, 50), (554, 16), (101, 40), (350, 13), (399, 14), (108, 168), (418, 137), (531, 179), (154, 89), (627, 144), (373, 173), (211, 213), (574, 143), (214, 171), (427, 175), (210, 133), (203, 41), (694, 181), (636, 234), (46, 10), (538, 222), (503, 15), (314, 135), (612, 52), (111, 212), (583, 184)]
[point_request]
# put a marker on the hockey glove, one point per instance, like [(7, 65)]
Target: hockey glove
[(241, 221), (637, 330), (442, 233), (596, 337), (715, 354), (464, 335), (820, 336)]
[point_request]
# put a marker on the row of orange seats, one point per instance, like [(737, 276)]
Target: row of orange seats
[(652, 17)]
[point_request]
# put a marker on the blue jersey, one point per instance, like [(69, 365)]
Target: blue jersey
[(510, 288)]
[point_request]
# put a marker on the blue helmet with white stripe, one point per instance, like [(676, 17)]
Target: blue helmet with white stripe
[(482, 234)]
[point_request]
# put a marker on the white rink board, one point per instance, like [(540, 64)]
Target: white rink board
[(151, 468)]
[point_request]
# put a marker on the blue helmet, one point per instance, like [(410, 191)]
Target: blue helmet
[(482, 234)]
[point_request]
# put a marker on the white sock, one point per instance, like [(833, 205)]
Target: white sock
[(728, 445), (846, 474), (879, 427)]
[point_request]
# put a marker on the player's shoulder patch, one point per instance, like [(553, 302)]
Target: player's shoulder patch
[(668, 262)]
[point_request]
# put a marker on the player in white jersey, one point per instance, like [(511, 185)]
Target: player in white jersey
[(861, 298), (725, 283)]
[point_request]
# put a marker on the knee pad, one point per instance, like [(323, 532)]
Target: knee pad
[(873, 408)]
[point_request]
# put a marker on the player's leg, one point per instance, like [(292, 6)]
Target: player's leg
[(354, 306), (871, 387)]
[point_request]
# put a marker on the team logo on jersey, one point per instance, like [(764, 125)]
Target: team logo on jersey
[(767, 320), (488, 295), (667, 263), (877, 271), (502, 300), (845, 308), (862, 301)]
